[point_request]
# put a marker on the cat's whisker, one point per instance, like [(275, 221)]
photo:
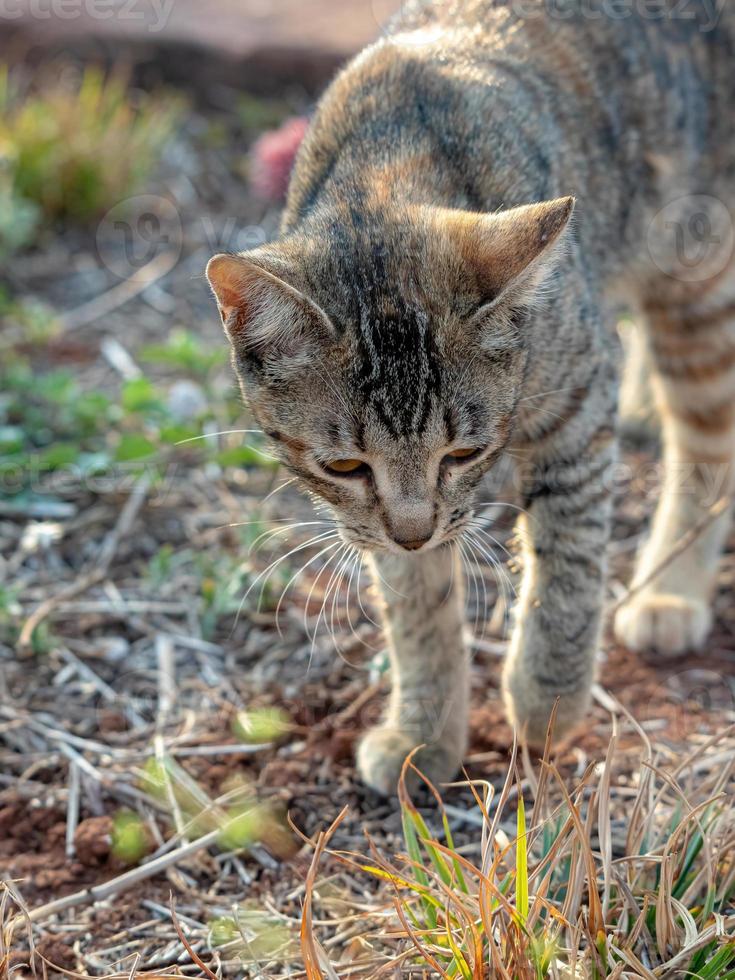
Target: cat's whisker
[(386, 584), (475, 586), (224, 432), (311, 635), (485, 598), (271, 533), (267, 572), (501, 503), (477, 533), (464, 374), (547, 411), (364, 611), (465, 563), (327, 593), (501, 591), (482, 530), (283, 486), (500, 574), (449, 591), (356, 566), (329, 382), (294, 577), (344, 564), (347, 563)]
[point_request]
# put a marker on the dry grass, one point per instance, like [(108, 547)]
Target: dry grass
[(612, 878), (619, 875), (74, 144)]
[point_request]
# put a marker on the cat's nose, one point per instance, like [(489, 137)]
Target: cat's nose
[(410, 521), (414, 544)]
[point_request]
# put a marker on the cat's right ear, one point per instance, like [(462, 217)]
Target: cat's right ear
[(260, 311)]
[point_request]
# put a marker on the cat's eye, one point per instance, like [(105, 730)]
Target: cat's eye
[(346, 467), (462, 455)]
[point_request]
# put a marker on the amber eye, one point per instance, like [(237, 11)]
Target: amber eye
[(459, 455), (346, 467)]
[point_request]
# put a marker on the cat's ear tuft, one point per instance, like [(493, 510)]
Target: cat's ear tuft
[(510, 250), (260, 310)]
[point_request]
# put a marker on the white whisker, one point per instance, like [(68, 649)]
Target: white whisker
[(274, 564), (322, 570), (225, 432), (293, 578), (278, 489)]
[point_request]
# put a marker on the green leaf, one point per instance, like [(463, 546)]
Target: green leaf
[(223, 931), (140, 395), (243, 828), (130, 841), (133, 446), (414, 852), (58, 456), (173, 434), (260, 725)]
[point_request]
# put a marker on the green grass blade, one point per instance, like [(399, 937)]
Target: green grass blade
[(521, 863)]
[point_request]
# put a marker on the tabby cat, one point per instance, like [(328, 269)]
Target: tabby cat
[(432, 307)]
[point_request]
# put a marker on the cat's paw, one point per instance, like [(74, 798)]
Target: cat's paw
[(529, 706), (664, 623), (383, 751)]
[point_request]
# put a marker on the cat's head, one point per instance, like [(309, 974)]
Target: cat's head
[(384, 357)]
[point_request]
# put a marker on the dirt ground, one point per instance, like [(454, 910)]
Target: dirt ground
[(137, 665)]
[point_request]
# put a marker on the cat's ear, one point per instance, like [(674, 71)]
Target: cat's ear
[(512, 250), (260, 311)]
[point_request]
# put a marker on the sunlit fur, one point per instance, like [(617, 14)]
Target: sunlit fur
[(412, 306)]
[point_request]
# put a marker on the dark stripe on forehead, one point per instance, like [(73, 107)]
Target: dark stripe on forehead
[(396, 368)]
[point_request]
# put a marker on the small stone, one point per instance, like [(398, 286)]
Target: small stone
[(186, 401), (93, 840)]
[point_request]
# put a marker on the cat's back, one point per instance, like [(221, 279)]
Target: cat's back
[(587, 92)]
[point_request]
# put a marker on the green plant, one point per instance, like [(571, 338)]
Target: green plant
[(50, 424), (185, 351), (130, 838), (73, 149), (554, 900), (260, 725), (24, 321), (19, 218)]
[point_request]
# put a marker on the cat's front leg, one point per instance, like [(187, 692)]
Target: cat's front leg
[(565, 532), (423, 620)]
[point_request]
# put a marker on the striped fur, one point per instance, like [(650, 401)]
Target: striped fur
[(412, 305)]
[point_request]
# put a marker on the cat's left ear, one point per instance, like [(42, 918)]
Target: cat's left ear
[(510, 252)]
